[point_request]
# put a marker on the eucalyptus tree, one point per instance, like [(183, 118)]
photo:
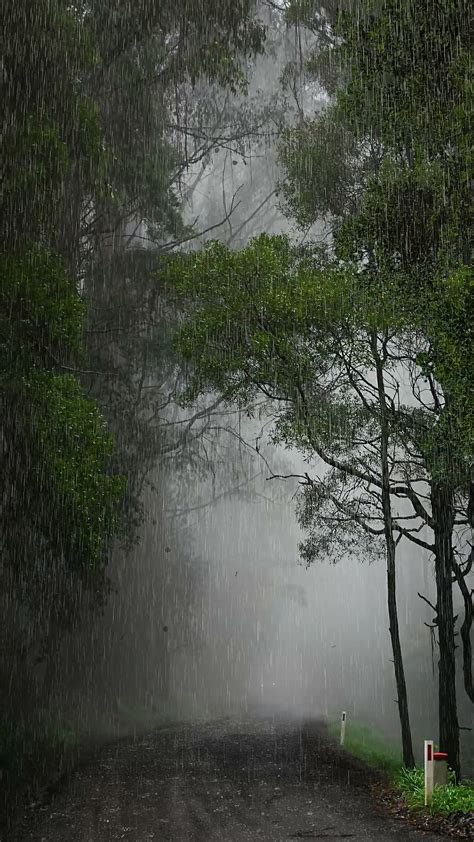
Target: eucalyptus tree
[(411, 93), (60, 497), (166, 121), (271, 321), (383, 159), (327, 354), (84, 147), (398, 202)]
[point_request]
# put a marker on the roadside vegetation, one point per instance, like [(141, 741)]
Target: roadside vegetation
[(360, 345), (446, 799), (324, 337), (371, 746)]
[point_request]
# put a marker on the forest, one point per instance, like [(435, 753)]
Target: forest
[(236, 266)]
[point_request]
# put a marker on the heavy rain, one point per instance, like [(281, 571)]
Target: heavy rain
[(237, 376)]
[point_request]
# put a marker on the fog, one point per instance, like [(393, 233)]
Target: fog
[(212, 614), (220, 618)]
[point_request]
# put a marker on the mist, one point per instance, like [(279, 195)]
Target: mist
[(212, 614), (153, 572)]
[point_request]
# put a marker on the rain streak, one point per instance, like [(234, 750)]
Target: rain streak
[(236, 439)]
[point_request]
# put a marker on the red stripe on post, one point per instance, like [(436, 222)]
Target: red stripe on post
[(429, 749)]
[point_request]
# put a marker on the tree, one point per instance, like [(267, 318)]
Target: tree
[(167, 99), (266, 320), (401, 98), (87, 91), (59, 502), (419, 113)]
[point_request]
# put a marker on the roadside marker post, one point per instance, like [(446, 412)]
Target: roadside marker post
[(429, 771), (343, 727), (440, 770)]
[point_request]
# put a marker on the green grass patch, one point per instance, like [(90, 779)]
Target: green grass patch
[(368, 745), (371, 746), (446, 799)]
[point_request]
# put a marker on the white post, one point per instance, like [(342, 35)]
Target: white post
[(343, 727), (429, 771)]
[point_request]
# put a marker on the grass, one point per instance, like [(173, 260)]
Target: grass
[(368, 745), (372, 747), (452, 798)]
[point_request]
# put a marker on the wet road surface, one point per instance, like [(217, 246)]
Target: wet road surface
[(238, 779)]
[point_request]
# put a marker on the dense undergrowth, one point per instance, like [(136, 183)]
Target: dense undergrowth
[(446, 799)]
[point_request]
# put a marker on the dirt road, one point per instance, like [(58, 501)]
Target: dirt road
[(250, 779)]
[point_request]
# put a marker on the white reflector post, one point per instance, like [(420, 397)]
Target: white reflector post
[(429, 771), (343, 727)]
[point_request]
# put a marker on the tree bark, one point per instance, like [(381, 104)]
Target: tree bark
[(465, 630), (408, 757), (407, 746), (443, 517)]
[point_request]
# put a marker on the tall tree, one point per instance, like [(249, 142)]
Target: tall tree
[(60, 496), (402, 106), (268, 320)]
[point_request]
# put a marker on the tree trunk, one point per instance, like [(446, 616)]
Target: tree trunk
[(408, 757), (443, 517), (466, 630), (407, 746), (467, 595)]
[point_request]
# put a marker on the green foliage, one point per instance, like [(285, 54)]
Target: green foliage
[(51, 130), (409, 88), (37, 161), (403, 99), (273, 320), (408, 65), (249, 312), (393, 152), (207, 40), (323, 169), (41, 313), (70, 449), (60, 438), (60, 500), (313, 14), (142, 55), (446, 799), (63, 506), (444, 313), (139, 160), (366, 743), (403, 220), (369, 745)]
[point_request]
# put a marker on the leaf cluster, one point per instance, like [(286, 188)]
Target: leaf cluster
[(41, 313)]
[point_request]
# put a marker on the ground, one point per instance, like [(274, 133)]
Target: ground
[(265, 778)]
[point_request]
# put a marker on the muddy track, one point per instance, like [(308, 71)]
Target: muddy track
[(238, 779)]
